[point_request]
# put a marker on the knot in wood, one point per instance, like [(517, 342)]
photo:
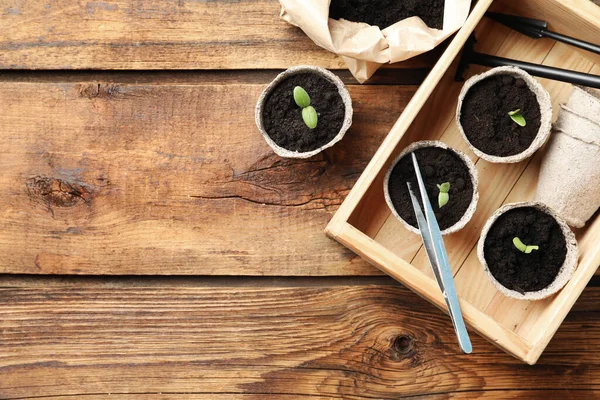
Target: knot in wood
[(402, 344), (93, 90), (57, 192)]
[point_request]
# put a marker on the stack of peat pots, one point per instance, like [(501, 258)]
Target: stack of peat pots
[(569, 180)]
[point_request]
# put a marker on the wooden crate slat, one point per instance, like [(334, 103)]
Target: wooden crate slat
[(171, 179), (338, 342)]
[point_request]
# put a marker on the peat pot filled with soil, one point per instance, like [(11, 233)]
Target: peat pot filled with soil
[(504, 114), (303, 111), (383, 13), (450, 179), (527, 251)]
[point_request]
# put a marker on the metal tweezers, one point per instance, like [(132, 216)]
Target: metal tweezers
[(438, 258)]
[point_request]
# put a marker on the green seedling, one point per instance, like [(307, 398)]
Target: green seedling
[(301, 97), (517, 117), (443, 197), (309, 114), (522, 247)]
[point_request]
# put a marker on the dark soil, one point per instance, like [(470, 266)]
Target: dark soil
[(383, 13), (485, 119), (437, 166), (282, 118), (519, 271)]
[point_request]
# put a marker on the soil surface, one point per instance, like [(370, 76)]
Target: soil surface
[(282, 118), (485, 119), (519, 271), (383, 13), (437, 166)]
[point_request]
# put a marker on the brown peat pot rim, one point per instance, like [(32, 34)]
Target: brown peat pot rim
[(282, 152), (544, 101), (566, 270), (472, 172)]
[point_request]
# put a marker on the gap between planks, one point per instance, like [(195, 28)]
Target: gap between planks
[(133, 281), (522, 393), (122, 281), (384, 76)]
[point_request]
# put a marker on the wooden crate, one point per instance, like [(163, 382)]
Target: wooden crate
[(364, 222)]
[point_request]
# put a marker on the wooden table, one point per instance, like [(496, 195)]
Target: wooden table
[(154, 247)]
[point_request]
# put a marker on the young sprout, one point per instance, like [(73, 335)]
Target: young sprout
[(301, 97), (443, 197), (517, 117), (309, 114), (522, 247)]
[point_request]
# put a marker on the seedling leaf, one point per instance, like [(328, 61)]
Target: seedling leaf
[(529, 249), (523, 247), (443, 196), (443, 199), (517, 117), (309, 115), (301, 98), (444, 187)]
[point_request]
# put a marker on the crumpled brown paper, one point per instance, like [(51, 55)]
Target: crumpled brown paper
[(365, 48)]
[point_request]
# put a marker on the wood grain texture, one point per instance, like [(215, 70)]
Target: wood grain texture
[(345, 342), (157, 34), (109, 178)]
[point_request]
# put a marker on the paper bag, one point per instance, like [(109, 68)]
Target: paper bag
[(365, 48)]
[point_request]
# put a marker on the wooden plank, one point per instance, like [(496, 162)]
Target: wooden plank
[(111, 178), (156, 34), (384, 76), (344, 342)]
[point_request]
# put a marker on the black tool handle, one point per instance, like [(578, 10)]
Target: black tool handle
[(572, 41), (543, 71)]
